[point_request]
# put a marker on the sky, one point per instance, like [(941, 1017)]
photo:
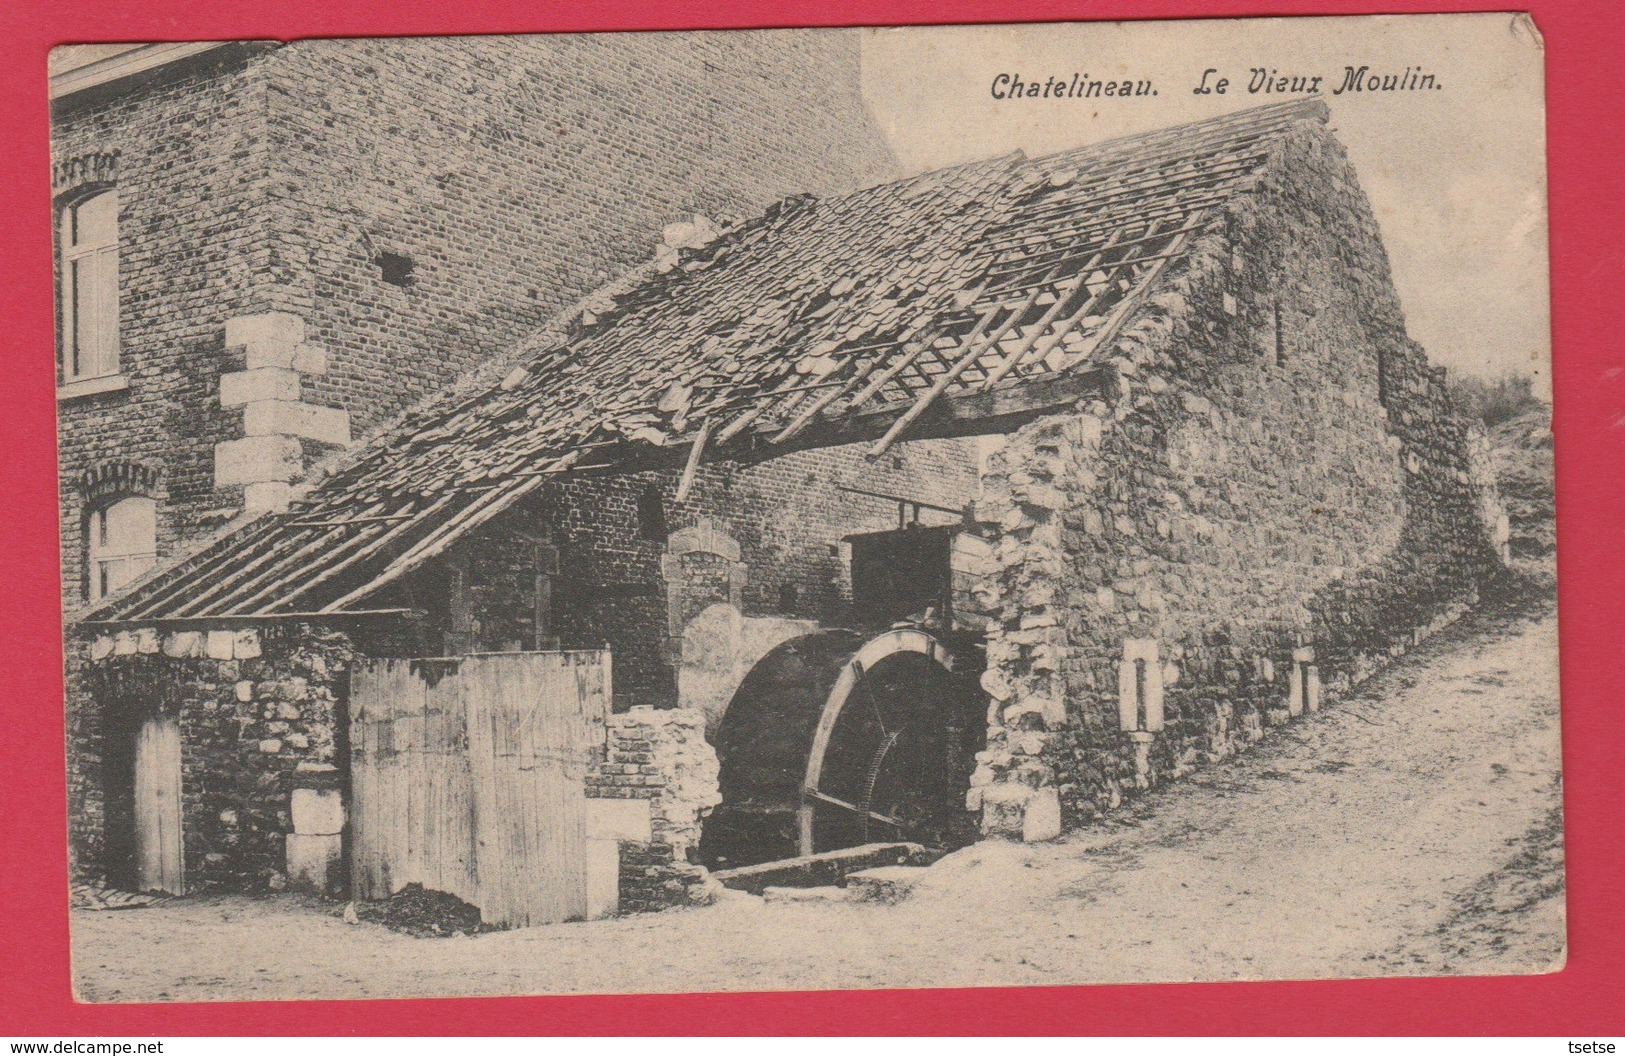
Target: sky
[(1456, 175)]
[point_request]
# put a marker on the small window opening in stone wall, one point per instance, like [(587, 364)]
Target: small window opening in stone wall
[(789, 598), (1139, 687), (1303, 694), (396, 268), (1280, 339), (652, 516)]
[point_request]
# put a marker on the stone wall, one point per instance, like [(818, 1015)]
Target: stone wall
[(1276, 500), (259, 710)]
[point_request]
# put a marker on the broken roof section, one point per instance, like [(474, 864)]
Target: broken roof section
[(870, 316)]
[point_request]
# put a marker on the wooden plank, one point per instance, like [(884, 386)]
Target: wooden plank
[(692, 468), (473, 782), (159, 854), (974, 347)]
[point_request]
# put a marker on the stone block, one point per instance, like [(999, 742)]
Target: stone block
[(245, 644), (280, 417), (1002, 808), (102, 647), (305, 358), (619, 819), (184, 644), (256, 458), (1042, 818), (315, 862), (820, 895), (249, 331), (886, 884), (123, 644), (274, 495), (256, 386), (603, 878), (317, 812)]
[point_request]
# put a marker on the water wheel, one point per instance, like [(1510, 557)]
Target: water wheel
[(838, 739)]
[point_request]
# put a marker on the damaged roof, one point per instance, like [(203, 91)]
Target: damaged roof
[(869, 316)]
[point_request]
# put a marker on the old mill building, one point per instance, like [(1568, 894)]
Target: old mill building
[(965, 505)]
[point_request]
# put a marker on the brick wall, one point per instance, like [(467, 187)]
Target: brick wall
[(515, 173), (1251, 514), (787, 517), (190, 156), (660, 756)]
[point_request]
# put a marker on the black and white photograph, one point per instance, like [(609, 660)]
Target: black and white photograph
[(807, 509)]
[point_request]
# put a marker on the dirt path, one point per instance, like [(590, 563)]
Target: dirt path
[(1411, 829)]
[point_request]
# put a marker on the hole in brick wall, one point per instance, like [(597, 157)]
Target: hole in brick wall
[(396, 268), (1280, 341), (651, 516), (789, 598)]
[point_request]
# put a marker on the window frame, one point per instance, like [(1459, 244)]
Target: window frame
[(101, 556)]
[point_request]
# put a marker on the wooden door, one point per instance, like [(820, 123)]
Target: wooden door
[(158, 854), (468, 776)]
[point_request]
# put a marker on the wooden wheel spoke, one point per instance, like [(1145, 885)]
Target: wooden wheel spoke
[(824, 797)]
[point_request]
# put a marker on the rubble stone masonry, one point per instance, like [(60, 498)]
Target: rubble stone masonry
[(261, 712), (1277, 498)]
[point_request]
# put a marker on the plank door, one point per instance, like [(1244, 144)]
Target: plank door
[(158, 806)]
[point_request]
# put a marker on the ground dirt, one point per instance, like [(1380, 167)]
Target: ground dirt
[(1410, 828)]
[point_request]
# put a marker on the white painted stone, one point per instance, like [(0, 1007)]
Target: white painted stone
[(245, 644), (306, 358), (218, 647), (256, 458), (247, 331), (274, 417), (146, 640), (619, 819), (317, 811), (806, 894), (310, 358), (183, 644), (1128, 702), (1042, 818), (272, 495), (603, 878), (123, 644), (102, 647), (253, 386)]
